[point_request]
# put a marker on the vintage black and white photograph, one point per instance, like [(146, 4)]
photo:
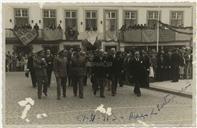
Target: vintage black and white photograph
[(103, 64)]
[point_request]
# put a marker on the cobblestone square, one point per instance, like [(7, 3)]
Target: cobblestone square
[(152, 108)]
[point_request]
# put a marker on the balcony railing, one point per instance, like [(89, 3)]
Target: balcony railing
[(10, 34)]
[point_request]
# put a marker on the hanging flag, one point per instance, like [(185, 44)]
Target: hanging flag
[(26, 36)]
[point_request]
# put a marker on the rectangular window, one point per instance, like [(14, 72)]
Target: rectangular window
[(21, 16), (110, 20), (176, 18), (49, 18), (130, 18), (71, 19), (152, 18), (91, 20)]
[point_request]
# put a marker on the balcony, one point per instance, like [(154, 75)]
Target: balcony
[(9, 34), (150, 35)]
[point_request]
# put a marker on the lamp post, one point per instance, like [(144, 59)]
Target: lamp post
[(158, 30)]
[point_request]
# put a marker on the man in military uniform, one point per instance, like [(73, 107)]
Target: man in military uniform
[(40, 65), (99, 72), (78, 70), (60, 70), (49, 60)]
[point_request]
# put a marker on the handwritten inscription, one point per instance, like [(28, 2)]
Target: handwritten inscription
[(93, 116)]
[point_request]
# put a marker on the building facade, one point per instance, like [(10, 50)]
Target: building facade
[(102, 19)]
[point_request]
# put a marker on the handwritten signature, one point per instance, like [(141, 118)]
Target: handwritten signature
[(91, 117)]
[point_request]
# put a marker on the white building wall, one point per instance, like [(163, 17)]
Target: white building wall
[(35, 14)]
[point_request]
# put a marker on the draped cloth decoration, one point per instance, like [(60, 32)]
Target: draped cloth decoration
[(92, 36), (181, 36), (166, 35), (52, 35), (26, 36), (149, 35), (88, 46), (110, 34), (178, 29), (132, 36)]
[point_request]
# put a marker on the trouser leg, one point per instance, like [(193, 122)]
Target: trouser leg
[(95, 85), (74, 84), (63, 83), (33, 78), (49, 72), (102, 87), (39, 88), (45, 84), (81, 87), (137, 87), (114, 85), (58, 80)]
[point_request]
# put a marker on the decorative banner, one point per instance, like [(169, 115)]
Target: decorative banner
[(26, 36), (149, 35), (132, 36), (178, 29), (52, 35), (180, 36), (166, 35)]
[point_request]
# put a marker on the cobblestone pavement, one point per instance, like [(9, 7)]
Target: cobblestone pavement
[(150, 109)]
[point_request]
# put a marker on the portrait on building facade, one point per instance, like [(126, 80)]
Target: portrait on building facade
[(99, 64)]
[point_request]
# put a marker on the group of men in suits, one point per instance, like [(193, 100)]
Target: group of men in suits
[(105, 69)]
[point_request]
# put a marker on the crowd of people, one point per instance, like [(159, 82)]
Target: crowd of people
[(15, 62), (26, 26), (107, 69), (143, 26)]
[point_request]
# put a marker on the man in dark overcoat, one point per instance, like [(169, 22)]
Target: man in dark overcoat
[(175, 63), (137, 70), (49, 60)]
